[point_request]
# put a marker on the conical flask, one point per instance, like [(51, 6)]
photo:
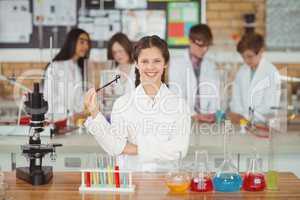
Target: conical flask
[(201, 181), (178, 181), (254, 179), (227, 178)]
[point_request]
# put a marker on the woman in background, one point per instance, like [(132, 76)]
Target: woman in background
[(63, 86)]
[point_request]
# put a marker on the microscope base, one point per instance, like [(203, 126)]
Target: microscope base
[(35, 177)]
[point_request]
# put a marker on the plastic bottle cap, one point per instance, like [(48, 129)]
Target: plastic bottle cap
[(80, 122), (243, 122)]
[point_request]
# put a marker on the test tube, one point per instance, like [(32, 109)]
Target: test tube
[(117, 174), (104, 168), (112, 161), (94, 166), (100, 167), (109, 170), (87, 174), (82, 178), (124, 177), (130, 179), (90, 170), (95, 174)]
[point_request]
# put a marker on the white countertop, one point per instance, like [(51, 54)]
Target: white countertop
[(243, 144)]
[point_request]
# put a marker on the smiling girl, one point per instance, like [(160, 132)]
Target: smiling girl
[(149, 124)]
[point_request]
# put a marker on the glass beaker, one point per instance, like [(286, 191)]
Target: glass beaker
[(254, 179), (201, 181), (178, 181)]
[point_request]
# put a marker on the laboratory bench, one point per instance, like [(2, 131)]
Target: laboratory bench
[(64, 185), (78, 145)]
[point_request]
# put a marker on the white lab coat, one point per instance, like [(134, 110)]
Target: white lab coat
[(182, 81), (63, 89), (260, 93), (160, 127)]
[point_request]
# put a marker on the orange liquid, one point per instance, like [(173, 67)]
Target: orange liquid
[(178, 188)]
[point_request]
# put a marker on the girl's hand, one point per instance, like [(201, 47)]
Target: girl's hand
[(90, 102), (130, 149)]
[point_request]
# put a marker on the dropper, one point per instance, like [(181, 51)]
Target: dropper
[(107, 84)]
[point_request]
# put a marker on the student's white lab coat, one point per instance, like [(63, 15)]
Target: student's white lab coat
[(260, 93), (63, 89), (182, 81), (160, 127)]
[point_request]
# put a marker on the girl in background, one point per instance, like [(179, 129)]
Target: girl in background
[(119, 51), (63, 86)]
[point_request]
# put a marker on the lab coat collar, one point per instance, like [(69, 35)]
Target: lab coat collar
[(161, 92), (194, 60), (261, 64), (258, 71), (72, 62)]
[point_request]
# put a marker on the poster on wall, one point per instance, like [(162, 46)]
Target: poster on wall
[(139, 23), (131, 4), (100, 24), (54, 12), (181, 17), (167, 0), (15, 21)]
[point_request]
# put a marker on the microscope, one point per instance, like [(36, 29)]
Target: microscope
[(36, 174)]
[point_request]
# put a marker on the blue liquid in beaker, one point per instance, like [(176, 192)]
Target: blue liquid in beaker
[(227, 182)]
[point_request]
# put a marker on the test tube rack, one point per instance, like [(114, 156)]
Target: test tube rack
[(106, 180)]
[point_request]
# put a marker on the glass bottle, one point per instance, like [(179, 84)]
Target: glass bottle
[(201, 181)]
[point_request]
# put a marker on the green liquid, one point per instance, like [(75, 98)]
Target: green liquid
[(272, 180)]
